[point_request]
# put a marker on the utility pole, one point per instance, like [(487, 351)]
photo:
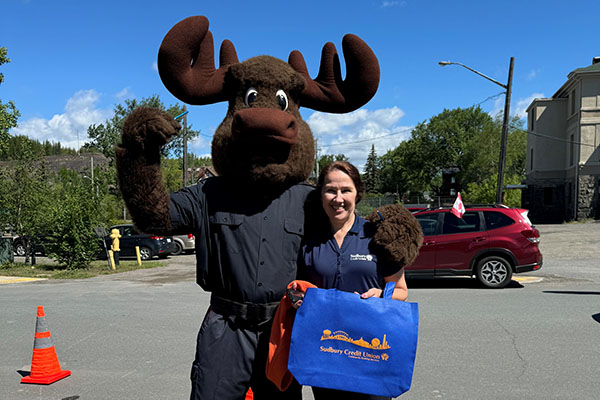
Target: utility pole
[(184, 147), (503, 140), (502, 162)]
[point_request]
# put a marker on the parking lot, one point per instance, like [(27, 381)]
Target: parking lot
[(132, 335)]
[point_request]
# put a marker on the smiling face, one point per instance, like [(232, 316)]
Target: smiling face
[(338, 196)]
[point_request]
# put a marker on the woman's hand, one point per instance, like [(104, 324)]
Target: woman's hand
[(373, 292)]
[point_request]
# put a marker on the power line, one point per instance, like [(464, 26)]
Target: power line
[(560, 139), (371, 139), (490, 98)]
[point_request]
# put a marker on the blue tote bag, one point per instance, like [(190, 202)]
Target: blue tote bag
[(340, 341)]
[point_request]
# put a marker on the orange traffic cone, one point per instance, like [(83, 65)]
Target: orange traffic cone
[(45, 368), (249, 395)]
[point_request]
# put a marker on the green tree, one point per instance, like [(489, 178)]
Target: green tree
[(327, 159), (466, 138), (74, 213), (372, 173), (435, 144), (17, 145), (8, 111), (105, 136), (25, 197)]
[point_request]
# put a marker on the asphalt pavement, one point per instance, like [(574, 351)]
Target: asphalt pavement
[(132, 335)]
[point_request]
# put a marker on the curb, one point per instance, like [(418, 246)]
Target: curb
[(16, 279), (528, 279)]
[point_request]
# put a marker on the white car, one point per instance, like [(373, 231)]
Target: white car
[(184, 244)]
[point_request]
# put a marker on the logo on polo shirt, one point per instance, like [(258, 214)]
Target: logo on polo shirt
[(361, 257)]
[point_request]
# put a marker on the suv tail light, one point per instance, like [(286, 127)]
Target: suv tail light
[(157, 237), (533, 235), (190, 236)]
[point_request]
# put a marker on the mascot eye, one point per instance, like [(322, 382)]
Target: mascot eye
[(251, 96), (282, 99)]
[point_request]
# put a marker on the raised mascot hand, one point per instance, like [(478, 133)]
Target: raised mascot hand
[(148, 129), (398, 236), (145, 131)]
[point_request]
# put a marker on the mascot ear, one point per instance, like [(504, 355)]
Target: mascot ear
[(398, 236)]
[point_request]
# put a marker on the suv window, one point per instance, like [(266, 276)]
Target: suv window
[(429, 223), (494, 219), (468, 223)]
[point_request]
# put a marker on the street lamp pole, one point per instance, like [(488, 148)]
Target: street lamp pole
[(506, 119)]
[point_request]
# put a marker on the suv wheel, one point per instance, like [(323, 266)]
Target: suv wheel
[(145, 253), (494, 272)]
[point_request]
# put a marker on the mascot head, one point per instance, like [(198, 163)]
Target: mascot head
[(263, 138)]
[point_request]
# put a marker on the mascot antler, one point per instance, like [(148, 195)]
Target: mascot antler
[(186, 62), (186, 66), (328, 92)]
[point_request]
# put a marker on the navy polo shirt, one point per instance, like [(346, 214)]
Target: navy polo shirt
[(351, 268)]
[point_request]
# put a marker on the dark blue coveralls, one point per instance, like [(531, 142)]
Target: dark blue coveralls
[(247, 247)]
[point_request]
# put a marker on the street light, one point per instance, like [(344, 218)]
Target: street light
[(508, 86)]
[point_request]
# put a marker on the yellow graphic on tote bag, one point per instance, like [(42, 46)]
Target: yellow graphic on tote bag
[(375, 344), (342, 336)]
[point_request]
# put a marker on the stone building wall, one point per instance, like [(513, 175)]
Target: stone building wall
[(588, 205)]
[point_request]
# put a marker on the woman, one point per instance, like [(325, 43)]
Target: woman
[(341, 256)]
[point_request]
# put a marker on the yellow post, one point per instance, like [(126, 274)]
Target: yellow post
[(137, 253), (112, 260)]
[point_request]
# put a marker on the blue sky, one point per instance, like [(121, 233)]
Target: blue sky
[(73, 60)]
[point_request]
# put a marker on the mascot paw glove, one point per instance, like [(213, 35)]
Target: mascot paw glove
[(148, 129), (398, 236)]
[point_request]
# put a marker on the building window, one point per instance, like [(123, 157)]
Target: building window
[(548, 196), (531, 159), (571, 150), (532, 120), (572, 101)]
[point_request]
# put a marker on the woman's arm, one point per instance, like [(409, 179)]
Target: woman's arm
[(400, 291)]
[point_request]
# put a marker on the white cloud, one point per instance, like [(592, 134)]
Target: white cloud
[(522, 104), (70, 127), (125, 93), (353, 134), (392, 3), (531, 75), (155, 66), (519, 109)]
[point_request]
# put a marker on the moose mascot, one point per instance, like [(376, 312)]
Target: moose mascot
[(250, 220)]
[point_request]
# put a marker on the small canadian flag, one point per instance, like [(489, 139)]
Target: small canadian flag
[(458, 208)]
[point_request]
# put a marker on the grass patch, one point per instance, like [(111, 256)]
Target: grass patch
[(56, 271)]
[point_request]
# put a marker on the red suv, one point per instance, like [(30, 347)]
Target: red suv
[(489, 242)]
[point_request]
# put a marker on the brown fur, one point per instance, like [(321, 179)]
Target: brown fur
[(399, 235), (231, 156), (138, 167)]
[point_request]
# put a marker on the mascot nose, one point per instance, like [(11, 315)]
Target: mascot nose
[(265, 122)]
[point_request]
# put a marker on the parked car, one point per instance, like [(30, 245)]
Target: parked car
[(184, 243), (489, 242), (150, 245), (19, 245)]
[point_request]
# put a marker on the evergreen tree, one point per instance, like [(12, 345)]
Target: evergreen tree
[(372, 173)]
